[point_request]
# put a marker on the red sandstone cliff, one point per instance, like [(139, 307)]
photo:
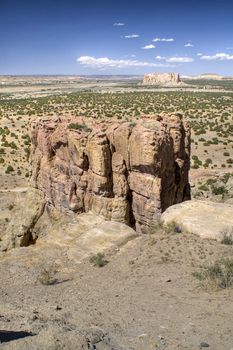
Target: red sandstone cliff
[(128, 172)]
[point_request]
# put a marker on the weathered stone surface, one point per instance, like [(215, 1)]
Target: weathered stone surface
[(161, 78), (28, 210), (128, 172), (203, 218)]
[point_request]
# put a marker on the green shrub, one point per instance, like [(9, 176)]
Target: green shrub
[(172, 227), (203, 188), (98, 260), (77, 126), (46, 275), (219, 190), (219, 274), (227, 238), (9, 169)]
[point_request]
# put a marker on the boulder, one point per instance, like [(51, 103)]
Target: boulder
[(27, 211), (203, 218)]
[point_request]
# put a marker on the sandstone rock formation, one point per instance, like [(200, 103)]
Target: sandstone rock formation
[(161, 79), (27, 209), (203, 218), (127, 172)]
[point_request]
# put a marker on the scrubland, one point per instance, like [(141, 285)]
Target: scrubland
[(210, 116), (165, 290)]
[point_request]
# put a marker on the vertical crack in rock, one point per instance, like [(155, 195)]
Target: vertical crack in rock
[(127, 172)]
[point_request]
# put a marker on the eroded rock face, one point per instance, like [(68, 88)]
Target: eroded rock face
[(127, 172), (161, 79), (27, 209)]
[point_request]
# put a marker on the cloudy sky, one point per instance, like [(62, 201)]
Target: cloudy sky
[(116, 37)]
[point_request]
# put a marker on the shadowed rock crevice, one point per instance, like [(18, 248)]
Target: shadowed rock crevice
[(127, 172), (7, 336)]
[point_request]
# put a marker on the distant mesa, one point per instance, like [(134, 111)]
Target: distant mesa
[(211, 76), (167, 79), (206, 76)]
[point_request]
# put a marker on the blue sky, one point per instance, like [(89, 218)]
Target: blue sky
[(116, 37)]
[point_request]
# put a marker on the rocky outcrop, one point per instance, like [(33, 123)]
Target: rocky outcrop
[(203, 218), (127, 172), (161, 79), (27, 209)]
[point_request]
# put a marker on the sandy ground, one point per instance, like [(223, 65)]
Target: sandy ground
[(145, 297)]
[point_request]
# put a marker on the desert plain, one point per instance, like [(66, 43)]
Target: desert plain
[(86, 283)]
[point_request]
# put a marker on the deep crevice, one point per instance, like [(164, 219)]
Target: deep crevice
[(129, 198)]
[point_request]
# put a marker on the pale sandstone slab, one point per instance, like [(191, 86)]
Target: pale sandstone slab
[(203, 218)]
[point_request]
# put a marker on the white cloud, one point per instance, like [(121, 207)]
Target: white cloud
[(199, 54), (132, 36), (175, 59), (105, 62), (188, 45), (163, 39), (218, 56), (148, 47), (179, 59), (160, 58), (119, 24)]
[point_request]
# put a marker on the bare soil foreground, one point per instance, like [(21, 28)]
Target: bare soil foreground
[(147, 296)]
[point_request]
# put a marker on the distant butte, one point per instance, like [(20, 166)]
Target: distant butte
[(161, 79)]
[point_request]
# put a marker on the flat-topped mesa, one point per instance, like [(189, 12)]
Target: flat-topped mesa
[(161, 79), (127, 172)]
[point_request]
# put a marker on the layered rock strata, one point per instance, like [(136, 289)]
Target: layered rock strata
[(127, 172), (161, 79)]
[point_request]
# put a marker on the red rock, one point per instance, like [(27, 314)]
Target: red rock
[(128, 172)]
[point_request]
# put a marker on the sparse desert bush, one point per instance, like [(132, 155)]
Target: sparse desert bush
[(219, 190), (46, 275), (226, 154), (172, 227), (98, 260), (77, 126), (203, 188), (9, 169), (219, 274), (10, 206), (227, 237)]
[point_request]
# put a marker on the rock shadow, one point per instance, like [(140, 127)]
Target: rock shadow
[(7, 336)]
